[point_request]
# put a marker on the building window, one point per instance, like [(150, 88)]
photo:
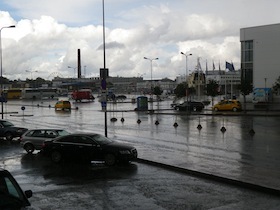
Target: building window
[(247, 52)]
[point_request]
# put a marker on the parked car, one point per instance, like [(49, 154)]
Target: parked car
[(90, 147), (9, 131), (62, 105), (82, 94), (11, 195), (189, 106), (34, 139), (228, 105)]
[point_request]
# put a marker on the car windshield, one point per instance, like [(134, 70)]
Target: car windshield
[(101, 139), (10, 192), (7, 124), (62, 132)]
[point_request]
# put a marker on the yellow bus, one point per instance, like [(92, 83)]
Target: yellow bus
[(14, 93)]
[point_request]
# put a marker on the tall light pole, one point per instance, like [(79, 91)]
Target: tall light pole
[(104, 75), (74, 68), (2, 98), (151, 61), (31, 73), (187, 73)]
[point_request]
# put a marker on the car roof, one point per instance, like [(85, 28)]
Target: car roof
[(2, 170), (47, 129), (78, 133), (231, 100), (84, 133)]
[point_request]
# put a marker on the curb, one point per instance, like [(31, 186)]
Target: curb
[(233, 182)]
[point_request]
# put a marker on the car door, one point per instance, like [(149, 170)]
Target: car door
[(67, 146), (230, 105), (1, 130), (76, 147), (87, 148), (224, 105), (37, 138)]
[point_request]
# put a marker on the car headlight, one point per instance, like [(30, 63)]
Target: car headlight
[(125, 152)]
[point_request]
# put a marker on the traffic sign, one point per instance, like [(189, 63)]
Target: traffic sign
[(103, 84)]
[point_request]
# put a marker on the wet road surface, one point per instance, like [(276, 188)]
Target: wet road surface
[(132, 186), (233, 154)]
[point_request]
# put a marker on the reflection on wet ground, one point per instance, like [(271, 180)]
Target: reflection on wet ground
[(75, 185), (74, 171), (234, 153)]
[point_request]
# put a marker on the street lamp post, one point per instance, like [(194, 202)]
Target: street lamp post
[(74, 68), (2, 98), (186, 55), (31, 77), (151, 61)]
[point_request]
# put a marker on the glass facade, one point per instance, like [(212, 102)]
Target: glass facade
[(247, 51)]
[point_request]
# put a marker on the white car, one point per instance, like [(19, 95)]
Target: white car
[(34, 139)]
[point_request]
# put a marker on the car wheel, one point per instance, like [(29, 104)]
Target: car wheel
[(9, 136), (216, 109), (56, 156), (110, 160), (29, 148), (234, 109)]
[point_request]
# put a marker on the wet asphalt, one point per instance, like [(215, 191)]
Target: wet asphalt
[(178, 168)]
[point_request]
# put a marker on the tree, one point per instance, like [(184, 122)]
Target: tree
[(276, 86), (157, 91), (180, 90), (4, 80), (212, 89), (183, 90), (245, 88)]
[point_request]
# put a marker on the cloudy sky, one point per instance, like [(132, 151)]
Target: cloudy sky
[(48, 33)]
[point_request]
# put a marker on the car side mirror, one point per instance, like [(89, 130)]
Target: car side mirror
[(28, 193)]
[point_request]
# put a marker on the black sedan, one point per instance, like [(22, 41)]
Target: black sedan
[(9, 131), (90, 147), (190, 106)]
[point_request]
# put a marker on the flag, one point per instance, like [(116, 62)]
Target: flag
[(229, 66), (232, 66)]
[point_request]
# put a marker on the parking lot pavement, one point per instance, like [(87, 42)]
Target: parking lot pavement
[(133, 186), (234, 154)]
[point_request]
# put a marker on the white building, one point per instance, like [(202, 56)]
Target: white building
[(228, 81), (260, 55)]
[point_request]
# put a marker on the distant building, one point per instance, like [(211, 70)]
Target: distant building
[(228, 81), (166, 85), (260, 55), (197, 81)]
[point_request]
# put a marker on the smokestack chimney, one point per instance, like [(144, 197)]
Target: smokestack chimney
[(79, 64)]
